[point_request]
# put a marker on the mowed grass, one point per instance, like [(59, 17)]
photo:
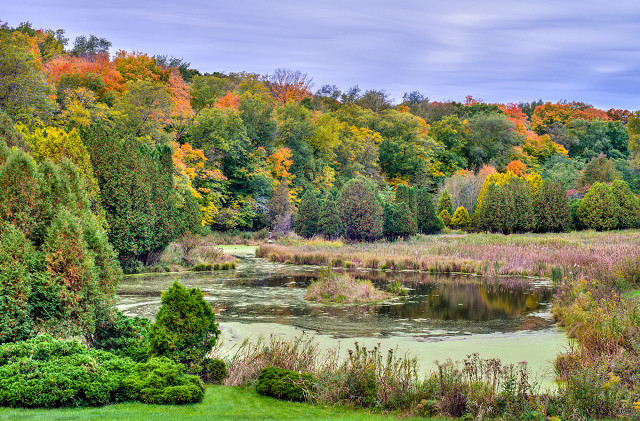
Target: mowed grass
[(220, 403)]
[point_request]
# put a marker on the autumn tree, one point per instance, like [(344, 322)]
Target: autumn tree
[(289, 85)]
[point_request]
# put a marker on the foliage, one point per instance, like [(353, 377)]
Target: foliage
[(123, 336), (329, 223), (360, 210), (629, 205), (44, 372), (334, 287), (399, 221), (599, 169), (445, 203), (552, 208), (461, 218), (428, 221), (599, 209), (214, 371), (306, 223), (162, 381), (445, 217), (285, 384), (136, 192), (185, 329)]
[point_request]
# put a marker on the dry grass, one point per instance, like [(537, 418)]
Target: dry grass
[(584, 254), (332, 287)]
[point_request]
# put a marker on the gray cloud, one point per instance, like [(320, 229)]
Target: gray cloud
[(503, 51)]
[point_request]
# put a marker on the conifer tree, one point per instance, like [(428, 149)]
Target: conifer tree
[(445, 203), (428, 221), (360, 210), (599, 209), (329, 223), (461, 218), (629, 215), (306, 223), (552, 208)]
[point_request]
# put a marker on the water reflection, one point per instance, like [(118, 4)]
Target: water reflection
[(436, 306)]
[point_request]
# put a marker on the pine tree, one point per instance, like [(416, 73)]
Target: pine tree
[(599, 209), (445, 203), (398, 221), (552, 208), (461, 218)]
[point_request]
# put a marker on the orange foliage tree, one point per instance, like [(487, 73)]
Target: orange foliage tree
[(517, 167), (546, 114), (139, 66), (288, 85)]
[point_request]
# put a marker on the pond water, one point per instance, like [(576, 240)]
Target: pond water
[(441, 317)]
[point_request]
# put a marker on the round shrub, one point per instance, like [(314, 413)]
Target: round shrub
[(284, 384), (599, 209), (629, 216), (124, 336), (185, 328), (461, 218), (213, 371), (162, 381)]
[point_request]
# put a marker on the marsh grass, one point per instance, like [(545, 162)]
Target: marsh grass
[(583, 254), (334, 287)]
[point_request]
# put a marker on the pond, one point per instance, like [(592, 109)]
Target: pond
[(441, 317)]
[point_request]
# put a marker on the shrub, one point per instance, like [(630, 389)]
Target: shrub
[(285, 384), (427, 219), (123, 336), (599, 209), (202, 267), (213, 371), (461, 218), (445, 216), (629, 215), (185, 328), (306, 223), (445, 203), (360, 210), (162, 381), (44, 372)]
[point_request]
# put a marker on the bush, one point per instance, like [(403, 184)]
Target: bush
[(445, 203), (44, 372), (213, 371), (162, 381), (428, 220), (360, 210), (306, 223), (202, 267), (629, 215), (123, 336), (185, 329), (461, 218), (599, 209), (285, 384), (445, 216)]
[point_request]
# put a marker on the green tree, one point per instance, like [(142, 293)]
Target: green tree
[(407, 195), (398, 221), (428, 220), (445, 203), (306, 223), (552, 207), (461, 218), (599, 209), (629, 215), (524, 216), (329, 223), (599, 169), (445, 216), (185, 329), (496, 213), (360, 210), (136, 192)]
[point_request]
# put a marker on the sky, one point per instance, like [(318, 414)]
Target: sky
[(495, 50)]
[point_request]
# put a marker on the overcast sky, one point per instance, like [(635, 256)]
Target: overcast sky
[(498, 51)]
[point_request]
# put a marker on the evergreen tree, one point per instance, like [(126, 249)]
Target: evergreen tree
[(360, 210), (306, 223), (461, 218), (398, 221), (524, 213), (137, 193), (407, 195), (496, 213), (445, 216), (329, 223), (185, 329), (428, 221), (445, 203), (629, 215), (552, 208), (599, 209)]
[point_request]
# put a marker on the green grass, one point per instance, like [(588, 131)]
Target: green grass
[(220, 403), (631, 294)]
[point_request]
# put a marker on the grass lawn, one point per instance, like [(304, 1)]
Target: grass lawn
[(220, 403)]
